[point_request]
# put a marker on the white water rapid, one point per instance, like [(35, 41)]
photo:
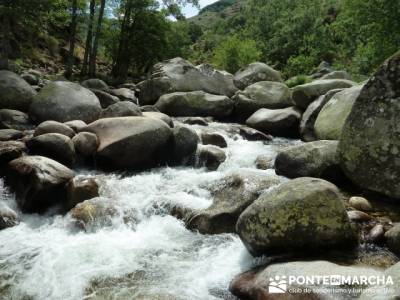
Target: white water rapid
[(152, 257)]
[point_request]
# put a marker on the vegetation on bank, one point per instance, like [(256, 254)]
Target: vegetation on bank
[(126, 37)]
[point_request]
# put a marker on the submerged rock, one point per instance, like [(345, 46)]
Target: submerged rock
[(369, 148), (215, 139), (255, 72), (211, 157), (8, 217), (81, 189), (304, 215)]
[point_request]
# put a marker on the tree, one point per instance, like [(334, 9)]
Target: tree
[(72, 39), (89, 37), (93, 56)]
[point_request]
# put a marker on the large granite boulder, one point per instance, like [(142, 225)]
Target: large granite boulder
[(185, 142), (369, 146), (280, 122), (15, 93), (179, 75), (307, 123), (232, 195), (315, 159), (186, 104), (64, 101), (304, 94), (331, 119), (131, 142), (264, 94), (39, 182), (304, 215), (255, 72)]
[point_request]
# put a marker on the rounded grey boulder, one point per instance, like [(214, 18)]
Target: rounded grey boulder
[(54, 127), (255, 72)]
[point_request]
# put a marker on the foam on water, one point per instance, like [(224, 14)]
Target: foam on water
[(158, 258)]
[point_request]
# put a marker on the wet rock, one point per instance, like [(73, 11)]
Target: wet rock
[(8, 217), (211, 157), (358, 216), (11, 150), (255, 285), (278, 122), (65, 101), (392, 237), (331, 119), (264, 94), (195, 121), (179, 75), (105, 98), (81, 189), (337, 75), (14, 119), (199, 104), (315, 159), (10, 134), (160, 116), (75, 125), (124, 94), (360, 203), (265, 162), (121, 109), (213, 139), (53, 145), (95, 83), (304, 215), (376, 234), (255, 72), (131, 142), (54, 127), (368, 147), (307, 123), (232, 195), (39, 182), (85, 144), (252, 134), (15, 93), (304, 94), (185, 143)]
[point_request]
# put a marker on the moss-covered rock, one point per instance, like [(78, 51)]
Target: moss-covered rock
[(369, 147), (331, 119), (302, 215)]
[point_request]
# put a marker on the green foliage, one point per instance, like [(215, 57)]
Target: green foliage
[(298, 80), (235, 53), (218, 6)]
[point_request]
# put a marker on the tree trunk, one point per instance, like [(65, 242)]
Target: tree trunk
[(89, 37), (72, 39), (93, 56)]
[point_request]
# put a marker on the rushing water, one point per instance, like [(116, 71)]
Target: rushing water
[(151, 257)]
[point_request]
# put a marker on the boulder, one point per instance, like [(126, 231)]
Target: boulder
[(131, 142), (179, 75), (8, 217), (304, 215), (265, 162), (14, 119), (121, 109), (15, 93), (80, 189), (264, 94), (85, 144), (337, 75), (279, 122), (76, 125), (258, 285), (39, 182), (65, 101), (185, 141), (211, 157), (105, 98), (95, 83), (360, 203), (182, 104), (307, 123), (160, 116), (54, 127), (253, 73), (53, 145), (331, 119), (11, 150), (368, 147), (215, 139), (231, 196), (124, 94), (149, 108), (392, 237), (304, 94), (315, 159), (10, 134), (252, 134), (30, 78)]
